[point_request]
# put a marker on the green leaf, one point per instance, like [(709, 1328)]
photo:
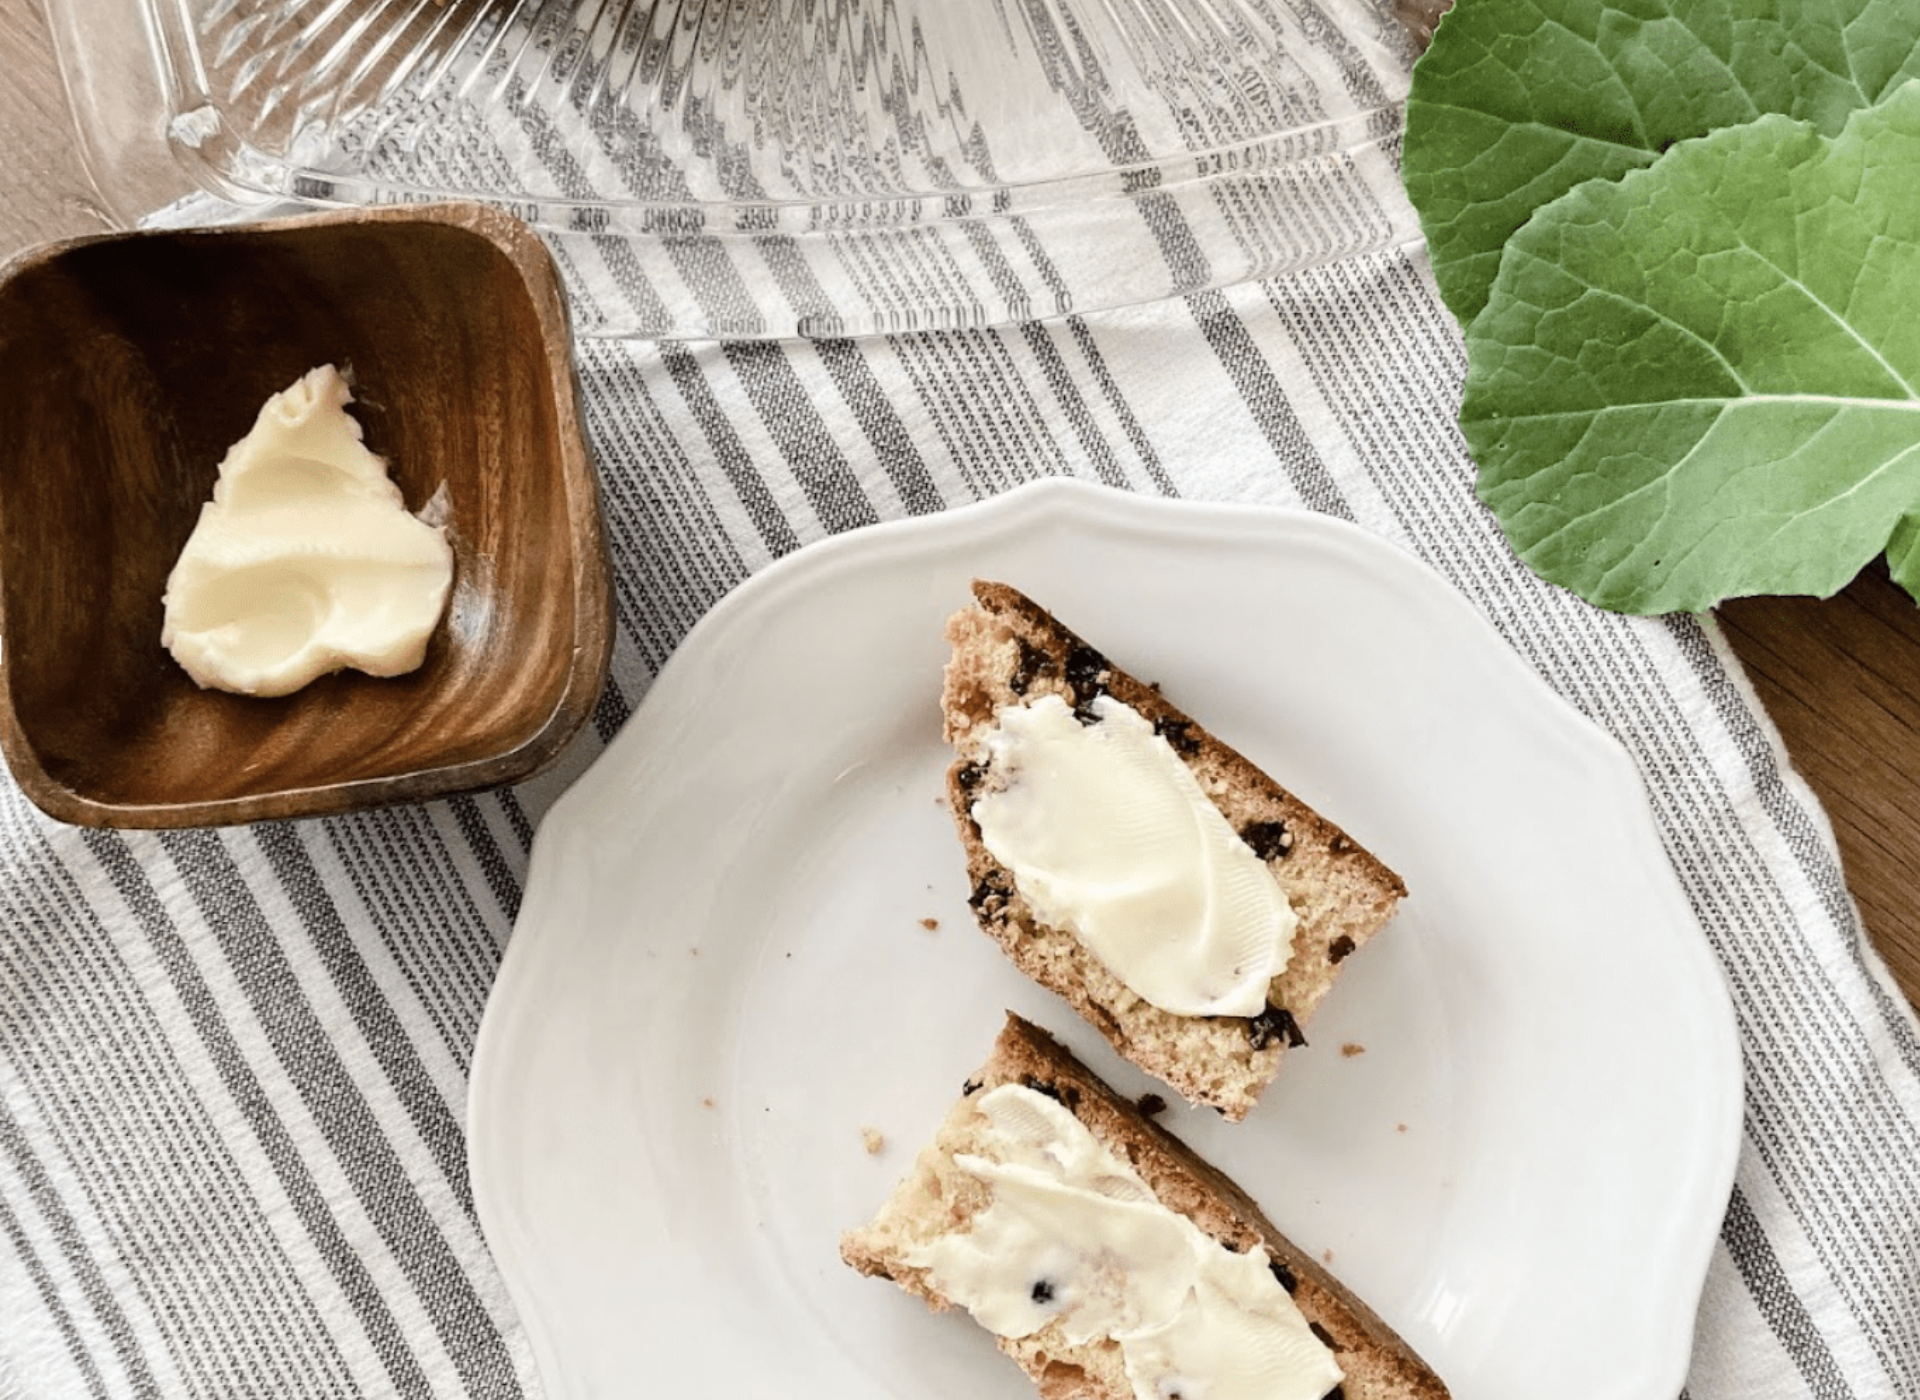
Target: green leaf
[(1699, 381), (1903, 554), (1518, 101)]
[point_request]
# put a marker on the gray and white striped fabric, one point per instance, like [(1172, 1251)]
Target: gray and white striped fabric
[(233, 1062)]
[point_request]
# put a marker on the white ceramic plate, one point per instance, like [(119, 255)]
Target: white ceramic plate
[(1514, 1131)]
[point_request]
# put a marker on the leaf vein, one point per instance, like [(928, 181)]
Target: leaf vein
[(1910, 405), (1595, 289), (1837, 317)]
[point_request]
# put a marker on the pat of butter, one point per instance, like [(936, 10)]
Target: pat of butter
[(1110, 838), (1073, 1235), (305, 561)]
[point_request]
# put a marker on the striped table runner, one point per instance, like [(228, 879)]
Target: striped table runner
[(233, 1062)]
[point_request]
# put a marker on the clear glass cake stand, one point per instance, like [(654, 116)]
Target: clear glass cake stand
[(767, 168)]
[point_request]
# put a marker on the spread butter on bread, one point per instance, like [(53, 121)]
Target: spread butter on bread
[(1281, 1326), (1010, 653)]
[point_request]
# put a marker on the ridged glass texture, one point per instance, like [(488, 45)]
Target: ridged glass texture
[(824, 167)]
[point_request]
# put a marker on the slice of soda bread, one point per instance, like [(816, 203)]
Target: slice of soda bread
[(1008, 650), (941, 1198)]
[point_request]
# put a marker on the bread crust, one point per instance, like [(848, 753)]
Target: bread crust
[(1007, 649), (939, 1198)]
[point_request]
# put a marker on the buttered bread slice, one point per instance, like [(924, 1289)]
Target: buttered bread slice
[(1182, 901), (1112, 1263)]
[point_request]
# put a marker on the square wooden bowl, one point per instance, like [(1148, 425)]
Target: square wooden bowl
[(130, 363)]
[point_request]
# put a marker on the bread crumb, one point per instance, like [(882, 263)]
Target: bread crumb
[(929, 923), (874, 1140), (1150, 1105), (707, 1102), (1352, 1048), (1326, 1256), (1399, 1127)]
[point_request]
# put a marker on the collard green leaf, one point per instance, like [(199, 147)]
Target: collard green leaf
[(1518, 101), (1699, 381)]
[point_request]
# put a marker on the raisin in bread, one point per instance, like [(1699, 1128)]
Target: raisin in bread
[(939, 1198), (1008, 650)]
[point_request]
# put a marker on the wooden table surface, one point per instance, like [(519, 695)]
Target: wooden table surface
[(1840, 676)]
